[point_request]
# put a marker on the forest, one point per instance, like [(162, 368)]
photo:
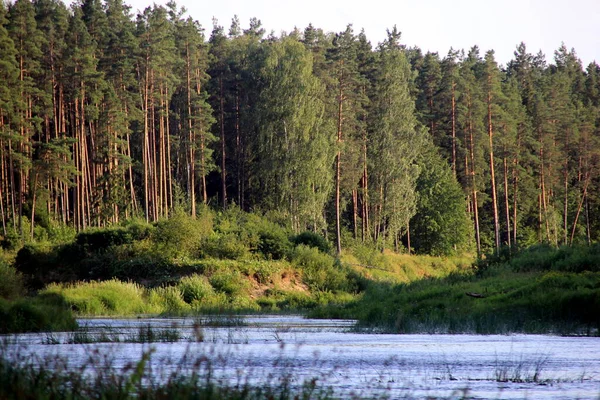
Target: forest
[(106, 116)]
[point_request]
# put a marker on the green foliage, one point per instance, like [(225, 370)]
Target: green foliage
[(36, 259), (195, 288), (507, 300), (312, 239), (225, 246), (231, 282), (168, 300), (103, 239), (545, 258), (320, 271), (111, 297), (294, 146), (273, 243), (441, 225), (181, 236), (47, 313), (11, 282)]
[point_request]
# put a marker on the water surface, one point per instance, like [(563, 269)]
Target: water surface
[(259, 349)]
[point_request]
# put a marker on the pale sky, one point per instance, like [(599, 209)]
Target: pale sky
[(432, 25)]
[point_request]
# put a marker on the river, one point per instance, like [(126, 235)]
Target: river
[(263, 349)]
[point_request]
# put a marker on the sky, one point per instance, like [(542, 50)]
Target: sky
[(432, 25)]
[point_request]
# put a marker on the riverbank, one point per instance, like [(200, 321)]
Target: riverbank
[(238, 262), (537, 290), (217, 263)]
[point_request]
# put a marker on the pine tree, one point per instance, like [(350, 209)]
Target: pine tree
[(346, 83), (9, 78), (493, 98), (27, 38), (448, 109), (84, 91), (428, 82), (194, 111), (157, 63), (471, 116), (397, 141), (52, 19), (120, 111)]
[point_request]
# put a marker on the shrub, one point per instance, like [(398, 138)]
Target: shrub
[(11, 281), (226, 246), (102, 239), (312, 239), (35, 315), (168, 300), (274, 243), (180, 235), (230, 282), (12, 240), (319, 271), (263, 272), (195, 288), (38, 260)]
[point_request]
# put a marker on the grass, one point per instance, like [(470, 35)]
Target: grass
[(239, 262), (111, 297), (42, 314), (505, 297), (52, 379)]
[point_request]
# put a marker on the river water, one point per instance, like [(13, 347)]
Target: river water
[(263, 349)]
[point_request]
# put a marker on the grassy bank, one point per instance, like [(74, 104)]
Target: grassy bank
[(240, 262), (219, 262), (19, 313), (539, 290)]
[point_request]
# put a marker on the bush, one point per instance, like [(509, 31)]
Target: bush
[(312, 239), (35, 315), (39, 261), (226, 246), (319, 271), (102, 239), (274, 243), (231, 283), (169, 300), (195, 288), (263, 272), (180, 236), (11, 281)]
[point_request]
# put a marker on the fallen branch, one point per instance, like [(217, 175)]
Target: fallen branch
[(476, 295)]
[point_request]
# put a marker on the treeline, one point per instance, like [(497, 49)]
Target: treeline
[(105, 115)]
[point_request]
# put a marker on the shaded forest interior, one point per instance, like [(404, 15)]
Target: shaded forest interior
[(106, 115)]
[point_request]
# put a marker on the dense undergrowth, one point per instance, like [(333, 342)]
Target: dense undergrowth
[(219, 262), (239, 262)]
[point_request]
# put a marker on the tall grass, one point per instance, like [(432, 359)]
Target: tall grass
[(30, 378), (111, 297), (45, 314), (505, 301)]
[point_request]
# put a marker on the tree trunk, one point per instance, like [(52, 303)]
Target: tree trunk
[(222, 122), (579, 207), (338, 166), (506, 204), (454, 129), (492, 171)]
